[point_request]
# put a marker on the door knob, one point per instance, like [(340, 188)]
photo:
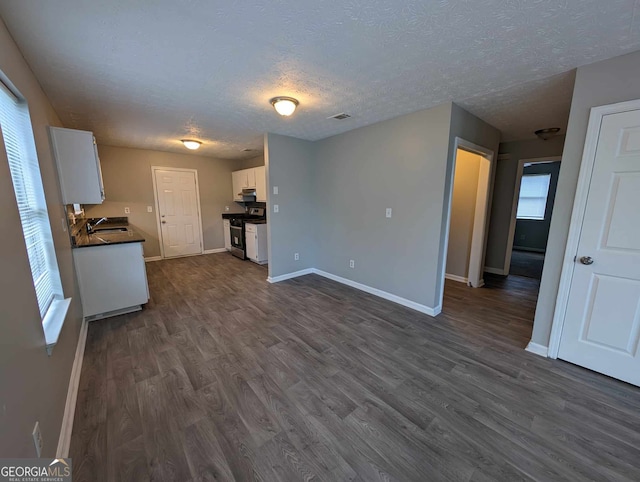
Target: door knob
[(164, 222), (586, 260)]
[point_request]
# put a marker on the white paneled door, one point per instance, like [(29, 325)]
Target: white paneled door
[(178, 211), (602, 322)]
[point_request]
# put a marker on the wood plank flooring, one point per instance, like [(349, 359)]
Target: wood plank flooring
[(226, 377)]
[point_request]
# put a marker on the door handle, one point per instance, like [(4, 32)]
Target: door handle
[(586, 260), (164, 222)]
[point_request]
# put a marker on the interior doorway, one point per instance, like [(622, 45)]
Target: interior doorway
[(178, 211), (467, 218), (533, 201)]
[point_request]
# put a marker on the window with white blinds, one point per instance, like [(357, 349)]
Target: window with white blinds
[(17, 134), (534, 190)]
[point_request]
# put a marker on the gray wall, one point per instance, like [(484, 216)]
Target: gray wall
[(602, 83), (128, 182), (504, 190), (342, 186), (289, 164), (33, 386), (463, 205), (532, 234), (472, 129), (399, 164)]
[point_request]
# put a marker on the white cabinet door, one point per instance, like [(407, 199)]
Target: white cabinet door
[(111, 277), (602, 322), (261, 184), (227, 234), (251, 178), (78, 165), (251, 242), (238, 179)]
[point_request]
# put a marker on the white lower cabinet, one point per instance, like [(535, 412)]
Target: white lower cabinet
[(256, 238), (112, 279), (226, 224)]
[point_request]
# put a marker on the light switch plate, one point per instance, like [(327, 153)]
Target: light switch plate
[(389, 211), (275, 189), (149, 209), (276, 208)]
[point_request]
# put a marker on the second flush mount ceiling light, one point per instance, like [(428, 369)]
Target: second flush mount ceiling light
[(191, 144), (285, 106)]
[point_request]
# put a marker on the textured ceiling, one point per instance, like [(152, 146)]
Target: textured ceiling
[(145, 73)]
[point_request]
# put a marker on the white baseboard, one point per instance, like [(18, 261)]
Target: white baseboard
[(64, 441), (488, 269), (382, 294), (295, 274), (455, 277), (213, 251), (537, 349), (354, 284), (152, 258)]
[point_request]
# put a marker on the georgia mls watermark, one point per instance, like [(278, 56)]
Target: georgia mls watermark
[(35, 470)]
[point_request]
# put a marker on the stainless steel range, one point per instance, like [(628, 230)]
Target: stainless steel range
[(236, 224)]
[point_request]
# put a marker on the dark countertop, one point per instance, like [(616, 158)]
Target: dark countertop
[(82, 239), (234, 215)]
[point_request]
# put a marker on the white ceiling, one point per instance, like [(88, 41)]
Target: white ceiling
[(145, 73)]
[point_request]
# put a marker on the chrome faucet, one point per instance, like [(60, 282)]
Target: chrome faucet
[(91, 227)]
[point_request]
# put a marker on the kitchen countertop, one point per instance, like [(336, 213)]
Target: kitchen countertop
[(234, 215), (82, 239)]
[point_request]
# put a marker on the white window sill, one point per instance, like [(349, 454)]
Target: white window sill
[(53, 321)]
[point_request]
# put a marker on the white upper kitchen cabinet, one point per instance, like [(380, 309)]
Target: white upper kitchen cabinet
[(254, 178), (251, 178), (238, 178), (261, 184), (78, 164)]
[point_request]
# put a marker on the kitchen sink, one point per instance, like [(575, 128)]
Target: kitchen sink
[(109, 230)]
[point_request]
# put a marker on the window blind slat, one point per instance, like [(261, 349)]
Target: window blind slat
[(27, 182)]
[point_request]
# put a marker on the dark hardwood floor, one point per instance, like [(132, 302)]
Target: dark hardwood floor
[(226, 377)]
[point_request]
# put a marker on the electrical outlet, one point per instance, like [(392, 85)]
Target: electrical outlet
[(388, 212), (149, 209), (296, 256), (275, 189), (352, 263), (37, 439), (276, 208), (127, 210)]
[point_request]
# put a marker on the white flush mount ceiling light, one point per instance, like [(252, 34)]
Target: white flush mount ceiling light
[(191, 144), (545, 134), (285, 106)]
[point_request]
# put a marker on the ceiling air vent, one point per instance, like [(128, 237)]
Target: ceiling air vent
[(339, 116)]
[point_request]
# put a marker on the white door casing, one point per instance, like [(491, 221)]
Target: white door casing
[(178, 211), (601, 323), (483, 206)]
